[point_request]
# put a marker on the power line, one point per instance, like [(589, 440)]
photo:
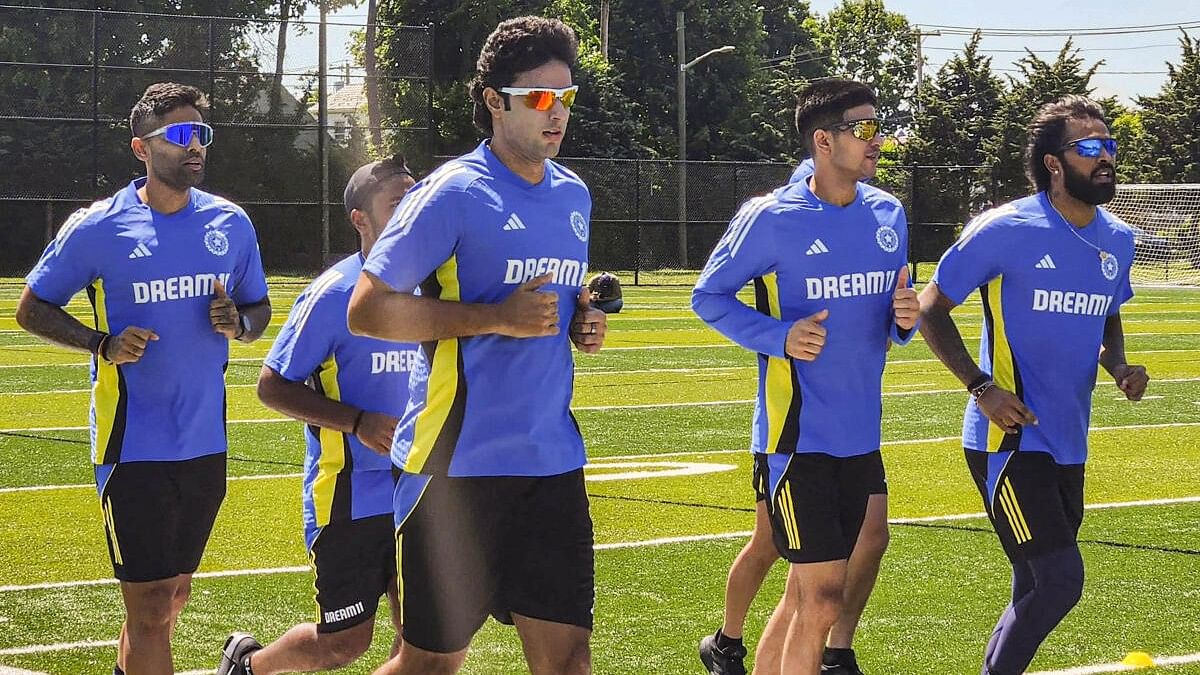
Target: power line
[(1064, 32), (1055, 51)]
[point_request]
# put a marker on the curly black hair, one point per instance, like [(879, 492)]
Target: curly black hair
[(823, 102), (161, 98), (1046, 132), (517, 46)]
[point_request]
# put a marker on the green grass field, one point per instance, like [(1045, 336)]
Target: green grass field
[(667, 396)]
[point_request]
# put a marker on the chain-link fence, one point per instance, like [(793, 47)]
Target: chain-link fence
[(68, 79), (640, 225)]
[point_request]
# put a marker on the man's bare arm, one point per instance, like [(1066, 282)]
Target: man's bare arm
[(377, 310), (941, 334), (298, 401), (53, 324), (1000, 406), (259, 315), (1131, 380)]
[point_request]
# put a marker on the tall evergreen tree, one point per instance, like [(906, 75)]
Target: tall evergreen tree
[(866, 42), (955, 111), (1172, 120), (1041, 81)]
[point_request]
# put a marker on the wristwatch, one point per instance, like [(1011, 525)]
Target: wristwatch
[(980, 386), (245, 322)]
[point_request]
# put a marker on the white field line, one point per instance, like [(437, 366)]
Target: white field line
[(1159, 661), (651, 455), (649, 371), (664, 470), (721, 345), (63, 646), (661, 541), (670, 404)]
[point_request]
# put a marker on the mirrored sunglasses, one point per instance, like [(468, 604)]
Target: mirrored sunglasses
[(541, 98), (181, 133), (1092, 147), (863, 130)]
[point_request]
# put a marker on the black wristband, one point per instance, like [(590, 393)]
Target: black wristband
[(357, 421), (101, 347), (95, 341), (979, 382)]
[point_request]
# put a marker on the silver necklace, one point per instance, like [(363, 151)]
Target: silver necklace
[(1103, 254)]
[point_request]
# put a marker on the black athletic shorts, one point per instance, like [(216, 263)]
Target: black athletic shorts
[(818, 502), (355, 560), (1034, 503), (760, 478), (158, 515), (470, 547)]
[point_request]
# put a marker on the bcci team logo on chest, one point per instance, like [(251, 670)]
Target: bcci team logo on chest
[(1109, 266), (887, 238), (216, 242), (579, 225)]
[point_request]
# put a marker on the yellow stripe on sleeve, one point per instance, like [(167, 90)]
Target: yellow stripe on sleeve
[(778, 388), (1004, 368), (106, 390), (333, 449), (443, 379)]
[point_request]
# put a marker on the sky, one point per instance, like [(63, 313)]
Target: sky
[(1134, 62)]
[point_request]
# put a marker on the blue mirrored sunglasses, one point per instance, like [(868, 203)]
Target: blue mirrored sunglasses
[(181, 133), (1092, 147)]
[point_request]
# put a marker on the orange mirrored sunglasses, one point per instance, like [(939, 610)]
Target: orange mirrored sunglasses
[(541, 98)]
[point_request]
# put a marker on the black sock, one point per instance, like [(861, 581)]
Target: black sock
[(117, 670), (246, 664), (724, 642), (838, 656)]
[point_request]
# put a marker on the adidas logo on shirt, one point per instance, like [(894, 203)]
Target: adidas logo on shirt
[(1046, 263), (142, 251), (514, 223), (818, 247)]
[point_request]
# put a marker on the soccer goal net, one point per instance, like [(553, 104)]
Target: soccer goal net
[(1166, 231)]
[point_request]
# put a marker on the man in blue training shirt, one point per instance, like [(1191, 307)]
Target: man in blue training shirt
[(173, 274), (1052, 270), (490, 508), (723, 651), (827, 256), (350, 391)]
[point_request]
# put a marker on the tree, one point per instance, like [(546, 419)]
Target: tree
[(602, 111), (866, 42), (1042, 81), (1172, 120), (956, 110), (791, 58)]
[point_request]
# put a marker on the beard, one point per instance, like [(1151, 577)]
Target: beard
[(1083, 187), (176, 176)]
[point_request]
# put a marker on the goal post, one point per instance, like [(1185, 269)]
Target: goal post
[(1165, 220)]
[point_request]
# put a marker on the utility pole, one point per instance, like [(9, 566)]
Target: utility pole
[(921, 64), (681, 110), (605, 9), (323, 127)]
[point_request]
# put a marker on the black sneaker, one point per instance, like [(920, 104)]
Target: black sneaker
[(839, 662), (722, 662), (237, 647)]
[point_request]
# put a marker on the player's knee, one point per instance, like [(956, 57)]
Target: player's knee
[(572, 659), (822, 603), (150, 607), (1059, 581), (344, 647)]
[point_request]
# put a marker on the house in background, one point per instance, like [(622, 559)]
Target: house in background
[(347, 108)]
